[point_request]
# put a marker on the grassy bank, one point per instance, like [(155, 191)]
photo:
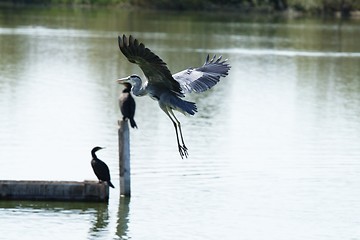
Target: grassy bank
[(324, 7)]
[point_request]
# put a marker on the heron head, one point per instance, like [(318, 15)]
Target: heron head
[(132, 79)]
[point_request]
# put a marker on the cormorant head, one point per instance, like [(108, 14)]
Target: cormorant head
[(132, 80), (94, 150), (127, 86)]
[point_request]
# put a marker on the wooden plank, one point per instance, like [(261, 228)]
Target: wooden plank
[(88, 191)]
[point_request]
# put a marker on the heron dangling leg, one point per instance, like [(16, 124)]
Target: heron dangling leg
[(182, 149), (179, 126)]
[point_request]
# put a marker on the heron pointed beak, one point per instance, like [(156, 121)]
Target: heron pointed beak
[(123, 80)]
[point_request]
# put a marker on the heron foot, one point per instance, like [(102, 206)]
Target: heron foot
[(183, 151)]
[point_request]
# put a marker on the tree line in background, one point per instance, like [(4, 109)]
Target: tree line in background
[(345, 7)]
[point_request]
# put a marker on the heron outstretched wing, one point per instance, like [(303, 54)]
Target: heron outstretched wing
[(202, 78), (153, 66)]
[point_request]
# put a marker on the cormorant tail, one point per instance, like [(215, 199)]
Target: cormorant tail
[(133, 123), (110, 184)]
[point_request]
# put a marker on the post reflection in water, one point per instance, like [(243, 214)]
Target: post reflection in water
[(123, 218)]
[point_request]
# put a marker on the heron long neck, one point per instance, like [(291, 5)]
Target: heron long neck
[(138, 89)]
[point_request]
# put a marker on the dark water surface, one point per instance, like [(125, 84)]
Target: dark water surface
[(274, 149)]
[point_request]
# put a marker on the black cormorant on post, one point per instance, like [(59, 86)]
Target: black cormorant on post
[(127, 105), (100, 168)]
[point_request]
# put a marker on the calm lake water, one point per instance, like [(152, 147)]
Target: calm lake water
[(274, 148)]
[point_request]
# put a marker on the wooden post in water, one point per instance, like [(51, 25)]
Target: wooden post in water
[(124, 157)]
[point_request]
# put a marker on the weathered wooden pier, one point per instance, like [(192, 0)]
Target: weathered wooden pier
[(88, 191)]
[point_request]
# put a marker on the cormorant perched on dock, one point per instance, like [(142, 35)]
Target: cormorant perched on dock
[(127, 105), (100, 168)]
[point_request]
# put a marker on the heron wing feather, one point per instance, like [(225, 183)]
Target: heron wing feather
[(202, 78), (153, 66)]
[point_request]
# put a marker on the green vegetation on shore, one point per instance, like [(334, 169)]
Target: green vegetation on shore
[(345, 7)]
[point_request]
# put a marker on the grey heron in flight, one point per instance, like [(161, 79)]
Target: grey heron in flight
[(166, 88)]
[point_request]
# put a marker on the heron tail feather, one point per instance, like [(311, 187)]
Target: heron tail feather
[(183, 106)]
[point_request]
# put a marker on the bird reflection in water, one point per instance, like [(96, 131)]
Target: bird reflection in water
[(101, 221)]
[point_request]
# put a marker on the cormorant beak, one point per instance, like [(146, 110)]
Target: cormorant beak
[(123, 80)]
